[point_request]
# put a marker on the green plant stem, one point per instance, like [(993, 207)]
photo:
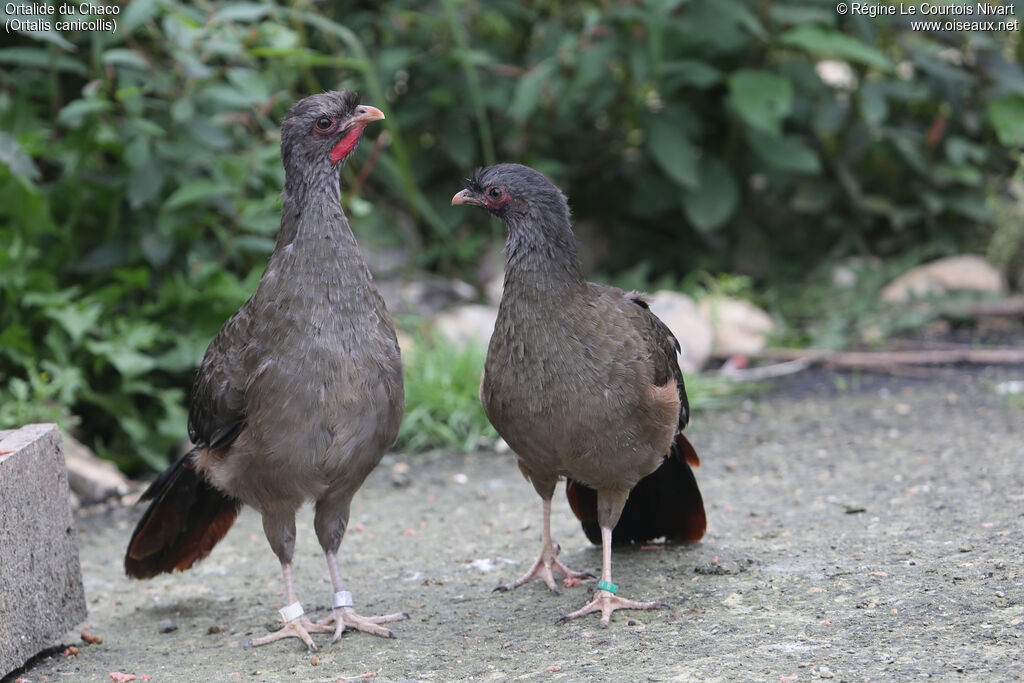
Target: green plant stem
[(472, 81)]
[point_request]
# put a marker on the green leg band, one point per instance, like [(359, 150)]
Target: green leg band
[(607, 586)]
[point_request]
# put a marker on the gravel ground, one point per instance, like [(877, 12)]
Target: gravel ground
[(868, 532)]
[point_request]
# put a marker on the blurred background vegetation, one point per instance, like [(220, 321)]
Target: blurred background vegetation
[(139, 171)]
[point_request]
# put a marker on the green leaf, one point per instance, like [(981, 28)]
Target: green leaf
[(527, 95), (46, 35), (42, 59), (76, 319), (19, 163), (714, 202), (802, 14), (674, 153), (145, 183), (137, 12), (740, 13), (961, 151), (787, 153), (945, 174), (873, 105), (122, 57), (250, 82), (156, 248), (1007, 118), (76, 112), (242, 12), (691, 72), (824, 42), (196, 192), (761, 98)]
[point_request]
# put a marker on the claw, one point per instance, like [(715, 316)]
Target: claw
[(544, 568), (606, 603), (296, 628), (346, 617)]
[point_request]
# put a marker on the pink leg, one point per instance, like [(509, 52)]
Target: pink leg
[(297, 627), (547, 561), (343, 617), (604, 601)]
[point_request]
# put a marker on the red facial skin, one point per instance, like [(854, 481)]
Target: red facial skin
[(351, 128), (345, 145)]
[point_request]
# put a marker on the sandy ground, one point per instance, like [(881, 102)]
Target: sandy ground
[(869, 534)]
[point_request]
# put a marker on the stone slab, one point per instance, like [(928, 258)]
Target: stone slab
[(41, 594)]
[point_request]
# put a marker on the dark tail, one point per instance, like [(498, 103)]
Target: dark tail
[(187, 517), (666, 503)]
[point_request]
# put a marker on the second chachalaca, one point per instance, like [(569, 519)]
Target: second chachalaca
[(582, 381), (300, 393)]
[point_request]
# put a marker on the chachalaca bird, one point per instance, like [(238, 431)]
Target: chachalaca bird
[(300, 393), (582, 381)]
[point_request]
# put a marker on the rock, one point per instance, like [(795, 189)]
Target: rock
[(493, 289), (490, 272), (953, 273), (383, 261), (740, 327), (41, 594), (836, 74), (405, 342), (423, 294), (167, 626), (92, 479), (468, 324), (688, 324), (400, 475), (848, 273)]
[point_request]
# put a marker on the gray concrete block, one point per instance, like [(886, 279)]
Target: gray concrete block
[(41, 595)]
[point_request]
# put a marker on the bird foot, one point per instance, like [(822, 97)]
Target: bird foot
[(296, 628), (544, 568), (607, 603), (346, 617)]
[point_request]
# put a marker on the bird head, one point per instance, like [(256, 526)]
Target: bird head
[(325, 128), (510, 191)]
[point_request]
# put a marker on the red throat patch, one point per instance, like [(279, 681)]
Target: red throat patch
[(346, 144)]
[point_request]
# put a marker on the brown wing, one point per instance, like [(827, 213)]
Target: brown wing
[(666, 502), (217, 402)]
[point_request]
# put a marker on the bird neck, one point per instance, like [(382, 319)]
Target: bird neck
[(541, 256), (310, 184), (312, 205)]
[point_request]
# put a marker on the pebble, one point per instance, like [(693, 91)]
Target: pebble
[(400, 475), (166, 626)]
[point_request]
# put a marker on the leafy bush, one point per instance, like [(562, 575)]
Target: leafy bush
[(441, 387), (139, 168)]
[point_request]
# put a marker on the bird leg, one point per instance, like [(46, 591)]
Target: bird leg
[(606, 601), (345, 616), (547, 561), (296, 624)]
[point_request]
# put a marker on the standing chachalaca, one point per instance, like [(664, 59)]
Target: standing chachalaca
[(300, 393), (582, 381)]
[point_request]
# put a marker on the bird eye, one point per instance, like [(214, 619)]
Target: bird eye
[(495, 193), (323, 123)]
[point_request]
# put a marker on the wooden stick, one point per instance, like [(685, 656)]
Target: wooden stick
[(861, 359), (1012, 306), (764, 372)]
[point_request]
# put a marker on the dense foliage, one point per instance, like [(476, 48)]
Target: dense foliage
[(139, 171)]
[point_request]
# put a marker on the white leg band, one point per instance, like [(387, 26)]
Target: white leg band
[(342, 599), (292, 611)]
